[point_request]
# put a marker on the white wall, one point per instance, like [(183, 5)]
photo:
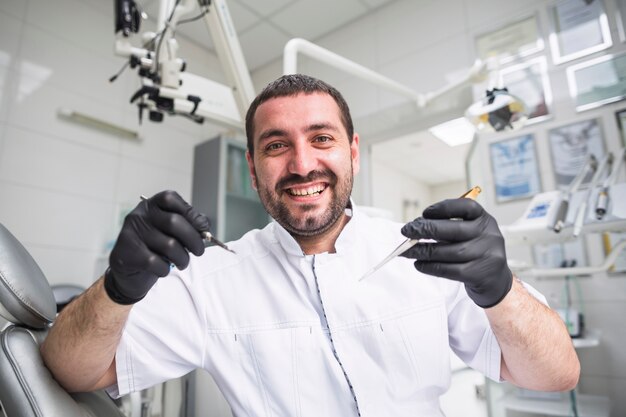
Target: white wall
[(448, 190), (406, 197), (63, 184), (393, 188)]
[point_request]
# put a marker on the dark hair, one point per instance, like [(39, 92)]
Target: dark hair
[(291, 85)]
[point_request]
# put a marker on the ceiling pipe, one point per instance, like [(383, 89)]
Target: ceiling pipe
[(301, 46)]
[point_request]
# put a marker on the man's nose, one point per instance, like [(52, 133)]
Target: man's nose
[(302, 161)]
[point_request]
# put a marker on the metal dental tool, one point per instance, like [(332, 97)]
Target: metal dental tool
[(409, 243), (579, 221), (208, 237), (561, 215), (602, 204)]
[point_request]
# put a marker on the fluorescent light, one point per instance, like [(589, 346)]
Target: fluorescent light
[(454, 132), (97, 123)]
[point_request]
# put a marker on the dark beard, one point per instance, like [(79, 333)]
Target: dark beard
[(312, 226)]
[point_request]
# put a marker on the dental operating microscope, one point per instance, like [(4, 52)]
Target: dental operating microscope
[(166, 86)]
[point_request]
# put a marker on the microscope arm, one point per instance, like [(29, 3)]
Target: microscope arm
[(230, 55)]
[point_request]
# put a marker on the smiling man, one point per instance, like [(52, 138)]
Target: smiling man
[(285, 327), (302, 162)]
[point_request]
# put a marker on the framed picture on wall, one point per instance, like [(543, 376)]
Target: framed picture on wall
[(510, 41), (529, 81), (579, 28), (598, 81), (515, 168), (620, 115), (571, 145), (620, 17)]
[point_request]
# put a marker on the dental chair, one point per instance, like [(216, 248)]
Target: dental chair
[(27, 389)]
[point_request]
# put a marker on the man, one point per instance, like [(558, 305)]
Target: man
[(284, 325)]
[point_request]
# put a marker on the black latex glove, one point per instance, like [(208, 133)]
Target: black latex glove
[(160, 230), (470, 250)]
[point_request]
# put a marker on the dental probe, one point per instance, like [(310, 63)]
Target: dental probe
[(207, 236)]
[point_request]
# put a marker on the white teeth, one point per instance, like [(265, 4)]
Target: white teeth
[(306, 191)]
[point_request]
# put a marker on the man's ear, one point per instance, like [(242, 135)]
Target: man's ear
[(252, 170), (355, 155)]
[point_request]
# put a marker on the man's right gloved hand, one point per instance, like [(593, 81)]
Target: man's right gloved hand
[(160, 231)]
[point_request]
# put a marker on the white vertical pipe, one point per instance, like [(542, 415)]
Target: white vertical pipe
[(229, 52), (165, 8)]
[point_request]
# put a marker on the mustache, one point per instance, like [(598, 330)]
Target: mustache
[(295, 179)]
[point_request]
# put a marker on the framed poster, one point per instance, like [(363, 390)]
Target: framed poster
[(517, 39), (515, 169), (579, 28), (529, 81), (620, 115), (570, 146), (598, 81), (620, 17)]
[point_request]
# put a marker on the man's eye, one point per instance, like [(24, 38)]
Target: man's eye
[(273, 146), (323, 139)]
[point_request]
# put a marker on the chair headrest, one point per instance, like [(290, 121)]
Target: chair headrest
[(25, 295)]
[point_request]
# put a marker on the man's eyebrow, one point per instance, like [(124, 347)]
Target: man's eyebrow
[(322, 126), (272, 132), (310, 128)]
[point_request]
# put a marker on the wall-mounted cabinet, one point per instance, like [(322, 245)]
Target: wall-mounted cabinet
[(221, 188)]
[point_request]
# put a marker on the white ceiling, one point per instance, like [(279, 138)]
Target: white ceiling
[(265, 26)]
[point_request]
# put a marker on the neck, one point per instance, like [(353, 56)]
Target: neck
[(324, 242)]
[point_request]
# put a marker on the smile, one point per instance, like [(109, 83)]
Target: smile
[(307, 191)]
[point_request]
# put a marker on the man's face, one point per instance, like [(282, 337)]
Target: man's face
[(303, 163)]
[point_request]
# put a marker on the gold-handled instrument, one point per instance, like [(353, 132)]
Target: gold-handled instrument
[(409, 243)]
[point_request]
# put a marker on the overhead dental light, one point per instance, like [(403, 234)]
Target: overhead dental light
[(497, 111)]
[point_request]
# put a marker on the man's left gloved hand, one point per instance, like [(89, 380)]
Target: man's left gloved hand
[(469, 249)]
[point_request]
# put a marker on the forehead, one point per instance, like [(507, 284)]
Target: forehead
[(297, 111)]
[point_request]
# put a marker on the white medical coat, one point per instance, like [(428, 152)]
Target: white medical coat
[(284, 334)]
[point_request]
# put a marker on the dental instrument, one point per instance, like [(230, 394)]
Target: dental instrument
[(208, 237), (409, 243)]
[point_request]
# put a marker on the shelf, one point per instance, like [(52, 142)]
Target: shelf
[(533, 234), (525, 270), (588, 405), (591, 339), (535, 224)]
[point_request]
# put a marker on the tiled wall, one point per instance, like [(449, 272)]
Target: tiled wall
[(62, 184)]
